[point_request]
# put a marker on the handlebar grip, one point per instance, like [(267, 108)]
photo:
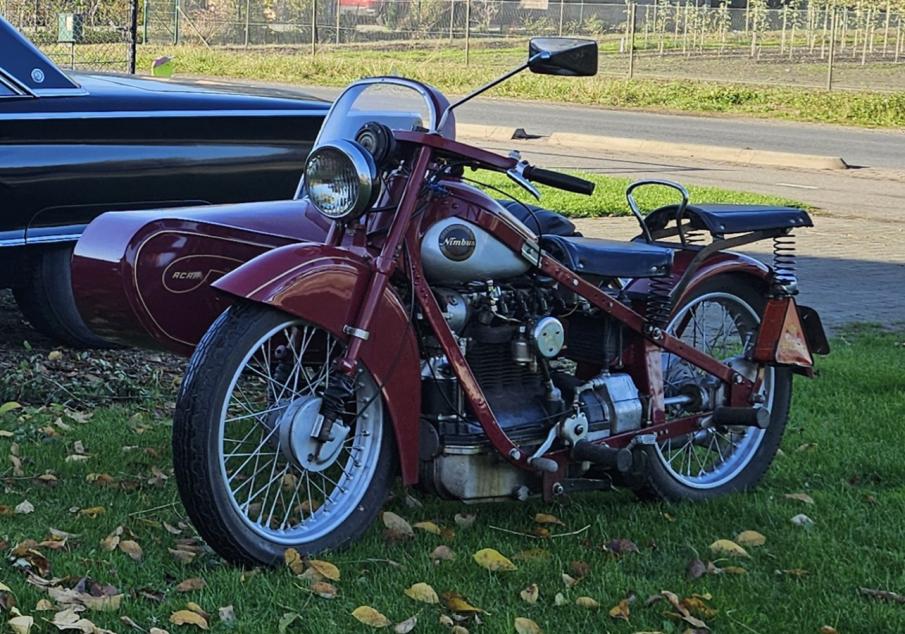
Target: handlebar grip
[(560, 180)]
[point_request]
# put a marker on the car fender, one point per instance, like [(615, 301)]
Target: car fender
[(322, 285)]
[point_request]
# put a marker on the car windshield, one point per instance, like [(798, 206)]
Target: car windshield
[(397, 103)]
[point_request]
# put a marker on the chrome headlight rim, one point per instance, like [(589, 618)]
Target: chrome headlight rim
[(365, 169)]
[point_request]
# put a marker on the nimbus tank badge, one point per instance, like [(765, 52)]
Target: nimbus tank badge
[(457, 242)]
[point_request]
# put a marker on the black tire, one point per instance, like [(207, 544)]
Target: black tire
[(656, 482), (196, 447), (48, 303)]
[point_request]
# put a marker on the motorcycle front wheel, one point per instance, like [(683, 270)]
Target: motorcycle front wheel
[(720, 318), (251, 476)]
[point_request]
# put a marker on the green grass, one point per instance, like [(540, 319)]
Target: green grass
[(608, 198), (446, 69), (843, 447)]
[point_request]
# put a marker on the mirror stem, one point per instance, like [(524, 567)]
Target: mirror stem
[(485, 87)]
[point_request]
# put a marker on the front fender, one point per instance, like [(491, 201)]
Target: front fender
[(323, 285)]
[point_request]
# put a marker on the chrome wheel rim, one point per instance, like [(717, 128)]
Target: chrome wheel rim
[(722, 325), (280, 378)]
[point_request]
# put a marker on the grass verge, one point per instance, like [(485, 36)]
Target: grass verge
[(446, 70), (842, 448)]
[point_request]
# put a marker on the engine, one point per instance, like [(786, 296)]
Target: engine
[(524, 344)]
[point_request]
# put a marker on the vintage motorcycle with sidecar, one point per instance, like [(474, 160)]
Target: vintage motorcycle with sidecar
[(396, 319)]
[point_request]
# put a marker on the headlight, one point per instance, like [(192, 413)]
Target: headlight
[(340, 179)]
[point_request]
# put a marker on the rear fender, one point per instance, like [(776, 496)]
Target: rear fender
[(323, 285)]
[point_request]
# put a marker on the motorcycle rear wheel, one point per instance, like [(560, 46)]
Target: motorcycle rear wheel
[(719, 317), (243, 453)]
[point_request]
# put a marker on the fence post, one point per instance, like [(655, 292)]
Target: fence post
[(133, 34), (562, 6), (175, 22), (452, 17), (314, 27), (247, 20), (832, 51), (337, 21), (467, 31), (631, 39), (144, 24)]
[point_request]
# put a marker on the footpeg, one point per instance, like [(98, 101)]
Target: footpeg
[(607, 457), (544, 464), (757, 416)]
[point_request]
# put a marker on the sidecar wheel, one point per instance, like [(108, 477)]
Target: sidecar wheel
[(241, 441), (718, 318)]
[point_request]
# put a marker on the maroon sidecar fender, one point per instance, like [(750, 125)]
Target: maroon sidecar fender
[(320, 284)]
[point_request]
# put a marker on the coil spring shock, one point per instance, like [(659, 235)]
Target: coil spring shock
[(694, 236), (784, 273), (659, 306)]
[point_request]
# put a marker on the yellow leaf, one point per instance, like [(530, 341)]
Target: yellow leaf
[(370, 617), (21, 624), (569, 580), (728, 548), (560, 599), (93, 511), (324, 590), (106, 603), (293, 561), (828, 629), (801, 497), (8, 407), (458, 629), (492, 560), (406, 626), (428, 527), (620, 610), (131, 548), (457, 603), (195, 583), (546, 518), (527, 626), (397, 525), (325, 569), (442, 553), (422, 592), (530, 594), (187, 617), (587, 602), (465, 520), (733, 570), (750, 538)]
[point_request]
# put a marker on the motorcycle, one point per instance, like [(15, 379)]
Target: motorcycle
[(396, 319)]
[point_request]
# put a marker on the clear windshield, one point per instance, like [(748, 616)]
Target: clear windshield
[(397, 103)]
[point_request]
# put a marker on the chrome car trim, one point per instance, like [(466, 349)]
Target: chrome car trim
[(143, 114)]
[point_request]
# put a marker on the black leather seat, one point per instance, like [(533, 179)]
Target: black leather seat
[(723, 219), (609, 258), (541, 221)]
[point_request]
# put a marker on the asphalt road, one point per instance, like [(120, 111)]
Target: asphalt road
[(858, 147)]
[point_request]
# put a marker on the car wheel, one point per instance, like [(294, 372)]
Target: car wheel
[(48, 303)]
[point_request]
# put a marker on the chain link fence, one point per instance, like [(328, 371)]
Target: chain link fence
[(79, 34)]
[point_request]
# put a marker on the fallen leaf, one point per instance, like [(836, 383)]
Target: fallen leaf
[(695, 569), (20, 624), (54, 355), (465, 520), (750, 538), (397, 527), (369, 616), (457, 603), (182, 556), (546, 518), (530, 594), (157, 630), (494, 561), (579, 569), (801, 497), (325, 569), (828, 629), (560, 599), (620, 610), (128, 621), (442, 553), (527, 626), (131, 548), (188, 617), (587, 602), (458, 629), (882, 595), (286, 620), (532, 554), (189, 585), (324, 589), (43, 605), (802, 520), (569, 580), (422, 592), (728, 548), (621, 546), (8, 407), (24, 508), (732, 570), (406, 626), (428, 527), (93, 511), (293, 561)]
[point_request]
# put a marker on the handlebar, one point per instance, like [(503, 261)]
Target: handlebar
[(559, 180)]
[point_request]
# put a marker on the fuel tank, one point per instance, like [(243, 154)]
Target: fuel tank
[(455, 250)]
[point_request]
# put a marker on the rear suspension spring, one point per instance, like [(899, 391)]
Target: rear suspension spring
[(784, 265), (659, 304)]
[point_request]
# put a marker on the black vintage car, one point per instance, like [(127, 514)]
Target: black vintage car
[(75, 145)]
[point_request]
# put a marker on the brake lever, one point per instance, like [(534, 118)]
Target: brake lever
[(517, 174)]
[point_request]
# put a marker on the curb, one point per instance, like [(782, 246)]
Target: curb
[(743, 156)]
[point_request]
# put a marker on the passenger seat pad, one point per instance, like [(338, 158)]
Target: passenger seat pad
[(609, 258), (723, 219)]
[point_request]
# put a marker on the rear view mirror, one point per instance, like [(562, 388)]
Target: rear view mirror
[(570, 57)]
